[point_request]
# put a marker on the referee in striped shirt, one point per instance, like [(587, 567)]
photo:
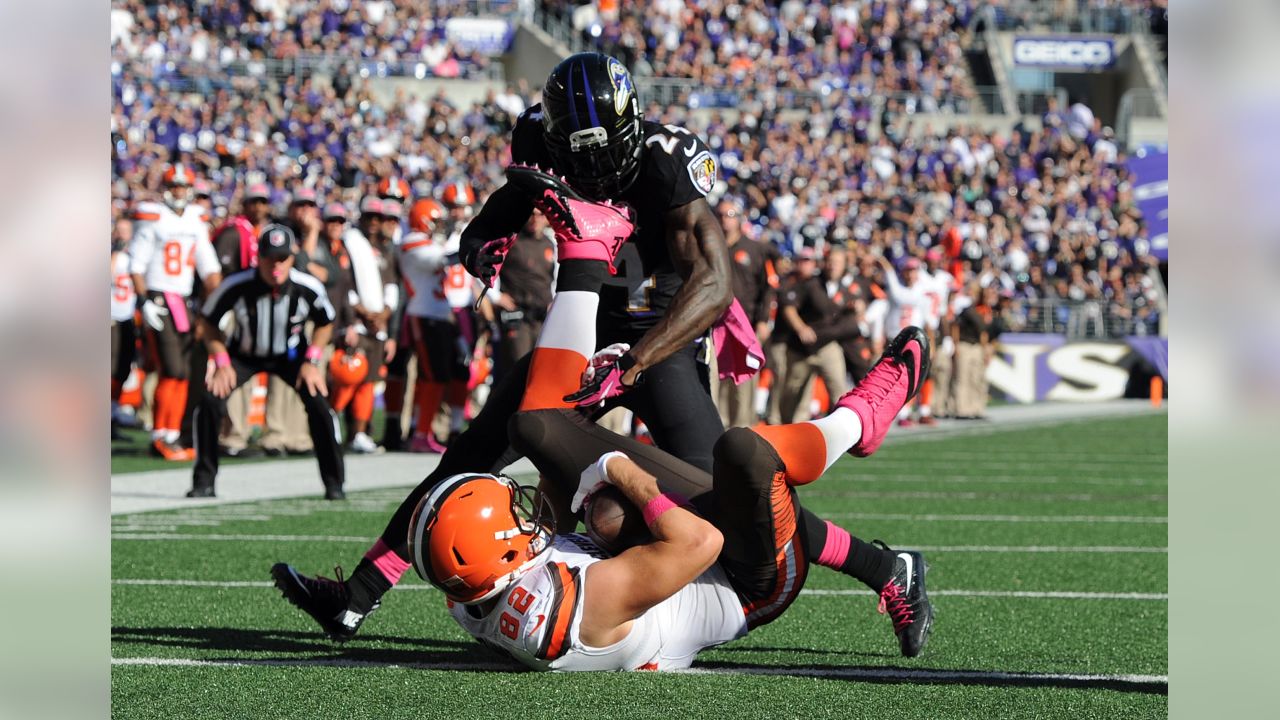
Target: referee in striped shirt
[(272, 304)]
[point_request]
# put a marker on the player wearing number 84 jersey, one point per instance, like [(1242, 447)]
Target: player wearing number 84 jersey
[(170, 246)]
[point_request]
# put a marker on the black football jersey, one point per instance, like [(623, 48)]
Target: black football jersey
[(676, 168)]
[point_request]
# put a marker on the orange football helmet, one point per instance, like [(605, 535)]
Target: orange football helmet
[(458, 194), (424, 215), (393, 187), (475, 534), (179, 175), (348, 367)]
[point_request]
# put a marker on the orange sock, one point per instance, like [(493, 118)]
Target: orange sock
[(553, 373), (802, 447), (926, 392), (177, 404), (427, 396), (362, 405), (340, 396), (160, 402)]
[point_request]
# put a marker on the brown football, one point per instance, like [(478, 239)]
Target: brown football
[(613, 522)]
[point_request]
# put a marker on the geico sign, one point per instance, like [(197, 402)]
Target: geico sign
[(1050, 370), (1074, 53)]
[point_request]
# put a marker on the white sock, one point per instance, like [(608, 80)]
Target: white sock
[(171, 436), (925, 411), (842, 429)]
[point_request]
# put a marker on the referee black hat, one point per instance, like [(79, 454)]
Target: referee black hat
[(276, 242)]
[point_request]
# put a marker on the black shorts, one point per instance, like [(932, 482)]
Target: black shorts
[(169, 346), (437, 343)]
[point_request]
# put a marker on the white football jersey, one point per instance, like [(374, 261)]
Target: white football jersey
[(122, 294), (938, 295), (169, 249), (536, 620), (422, 262), (907, 305), (459, 286)]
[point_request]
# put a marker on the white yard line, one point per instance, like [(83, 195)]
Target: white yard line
[(1124, 519), (921, 675), (164, 489), (1024, 594)]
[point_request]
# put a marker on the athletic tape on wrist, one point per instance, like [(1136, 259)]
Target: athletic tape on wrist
[(655, 508), (222, 359)]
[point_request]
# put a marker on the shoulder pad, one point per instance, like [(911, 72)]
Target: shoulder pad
[(148, 211)]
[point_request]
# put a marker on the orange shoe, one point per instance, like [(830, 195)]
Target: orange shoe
[(171, 452)]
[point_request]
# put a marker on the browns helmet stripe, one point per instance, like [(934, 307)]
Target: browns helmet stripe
[(564, 608)]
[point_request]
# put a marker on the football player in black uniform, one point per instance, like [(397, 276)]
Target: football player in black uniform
[(672, 282)]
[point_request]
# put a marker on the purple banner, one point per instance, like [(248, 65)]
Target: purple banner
[(1037, 368), (1150, 167)]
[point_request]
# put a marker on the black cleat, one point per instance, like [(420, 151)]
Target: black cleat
[(334, 493), (201, 492), (325, 600), (905, 601)]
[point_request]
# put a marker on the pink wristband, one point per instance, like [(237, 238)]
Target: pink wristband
[(659, 505), (314, 352), (222, 359)]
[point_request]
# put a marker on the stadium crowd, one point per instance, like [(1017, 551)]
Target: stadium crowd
[(1033, 230), (908, 50)]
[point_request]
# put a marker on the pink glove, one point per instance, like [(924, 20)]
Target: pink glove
[(605, 383)]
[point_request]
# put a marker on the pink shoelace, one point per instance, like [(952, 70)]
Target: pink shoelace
[(878, 383), (892, 602)]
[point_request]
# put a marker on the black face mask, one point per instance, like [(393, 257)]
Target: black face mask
[(599, 168)]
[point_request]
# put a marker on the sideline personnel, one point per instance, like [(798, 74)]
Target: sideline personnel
[(272, 304)]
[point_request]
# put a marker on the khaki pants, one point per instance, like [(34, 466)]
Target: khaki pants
[(943, 375), (737, 403), (826, 362), (236, 436), (286, 421), (970, 380), (776, 357)]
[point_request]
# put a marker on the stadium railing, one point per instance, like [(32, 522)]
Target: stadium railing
[(1077, 17), (1082, 319), (184, 74)]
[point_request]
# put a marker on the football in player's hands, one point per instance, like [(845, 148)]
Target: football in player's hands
[(613, 522)]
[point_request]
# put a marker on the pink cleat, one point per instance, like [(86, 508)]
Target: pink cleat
[(585, 230), (426, 444), (890, 385)]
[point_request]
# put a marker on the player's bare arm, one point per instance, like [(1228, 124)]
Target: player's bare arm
[(701, 257), (684, 547)]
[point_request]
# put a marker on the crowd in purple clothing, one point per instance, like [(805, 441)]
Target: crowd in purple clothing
[(885, 47), (1043, 213), (184, 40)]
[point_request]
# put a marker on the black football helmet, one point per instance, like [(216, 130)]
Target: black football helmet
[(591, 116)]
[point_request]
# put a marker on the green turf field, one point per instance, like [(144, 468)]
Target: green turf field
[(1049, 573)]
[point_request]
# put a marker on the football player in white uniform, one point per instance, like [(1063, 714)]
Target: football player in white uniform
[(432, 330), (909, 304), (731, 561), (936, 393), (170, 246), (461, 291), (123, 305)]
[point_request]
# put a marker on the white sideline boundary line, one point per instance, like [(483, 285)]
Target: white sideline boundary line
[(166, 536), (1023, 594), (1130, 519), (922, 675)]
